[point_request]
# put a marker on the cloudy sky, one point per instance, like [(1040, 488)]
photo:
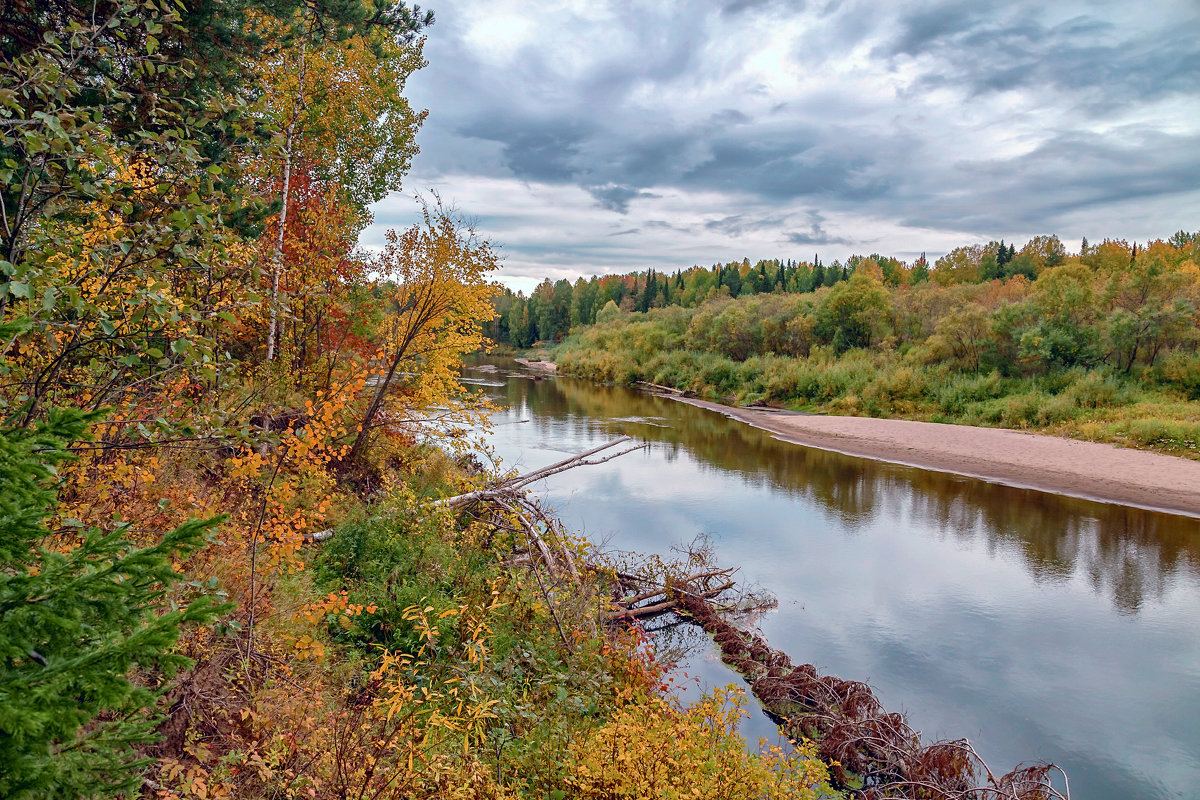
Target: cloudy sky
[(598, 136)]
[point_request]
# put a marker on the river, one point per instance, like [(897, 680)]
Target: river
[(1040, 627)]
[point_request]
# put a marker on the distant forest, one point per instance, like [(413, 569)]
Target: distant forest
[(554, 308), (1103, 344)]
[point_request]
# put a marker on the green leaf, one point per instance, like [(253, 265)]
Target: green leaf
[(20, 289)]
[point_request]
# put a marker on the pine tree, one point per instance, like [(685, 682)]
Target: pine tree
[(72, 627), (1002, 255)]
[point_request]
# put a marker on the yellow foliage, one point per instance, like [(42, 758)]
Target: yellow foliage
[(435, 278), (655, 750)]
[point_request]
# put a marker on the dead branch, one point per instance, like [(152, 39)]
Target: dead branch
[(514, 484), (509, 488), (658, 387)]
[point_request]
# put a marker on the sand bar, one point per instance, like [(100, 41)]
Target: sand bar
[(1091, 470), (538, 366)]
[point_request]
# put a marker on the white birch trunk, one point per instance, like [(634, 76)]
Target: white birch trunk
[(277, 260)]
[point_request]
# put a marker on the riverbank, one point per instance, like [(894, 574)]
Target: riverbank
[(1064, 611), (1090, 470)]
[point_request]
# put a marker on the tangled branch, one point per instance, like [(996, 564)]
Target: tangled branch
[(864, 744)]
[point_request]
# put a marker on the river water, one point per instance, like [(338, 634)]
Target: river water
[(1039, 627)]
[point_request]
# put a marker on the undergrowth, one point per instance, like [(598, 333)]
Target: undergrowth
[(416, 660)]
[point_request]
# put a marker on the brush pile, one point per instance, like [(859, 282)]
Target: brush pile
[(870, 751)]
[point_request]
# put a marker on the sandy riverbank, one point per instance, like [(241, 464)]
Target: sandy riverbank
[(1049, 463), (1091, 470), (538, 366)]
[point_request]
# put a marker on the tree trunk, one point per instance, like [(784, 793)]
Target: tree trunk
[(277, 260)]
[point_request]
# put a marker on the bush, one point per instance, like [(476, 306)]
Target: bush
[(960, 392), (1097, 389), (1175, 436), (1180, 371), (656, 750)]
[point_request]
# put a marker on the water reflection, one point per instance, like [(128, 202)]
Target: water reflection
[(1127, 554), (1042, 627)]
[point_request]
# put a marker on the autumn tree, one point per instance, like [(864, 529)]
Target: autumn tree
[(336, 94), (434, 277), (1064, 302), (1150, 309), (851, 315), (121, 131)]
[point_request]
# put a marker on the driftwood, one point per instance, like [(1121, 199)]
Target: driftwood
[(864, 744), (510, 488), (658, 387), (658, 597)]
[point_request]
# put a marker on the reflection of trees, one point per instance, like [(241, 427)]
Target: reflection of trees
[(1126, 554)]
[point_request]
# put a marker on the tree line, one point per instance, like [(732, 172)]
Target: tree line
[(555, 307), (1102, 344)]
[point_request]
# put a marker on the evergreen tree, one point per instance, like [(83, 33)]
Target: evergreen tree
[(733, 279), (818, 274), (920, 270), (73, 625), (1002, 255)]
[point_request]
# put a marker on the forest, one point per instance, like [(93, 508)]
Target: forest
[(244, 548), (1101, 344)]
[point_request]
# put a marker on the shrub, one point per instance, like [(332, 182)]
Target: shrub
[(656, 750)]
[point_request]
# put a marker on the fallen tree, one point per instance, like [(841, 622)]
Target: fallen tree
[(870, 751), (510, 489)]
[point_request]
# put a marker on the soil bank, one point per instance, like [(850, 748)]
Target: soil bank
[(1091, 470)]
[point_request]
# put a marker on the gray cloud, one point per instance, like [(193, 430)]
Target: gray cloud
[(983, 50), (912, 126), (615, 197), (1068, 173), (738, 224), (815, 235)]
